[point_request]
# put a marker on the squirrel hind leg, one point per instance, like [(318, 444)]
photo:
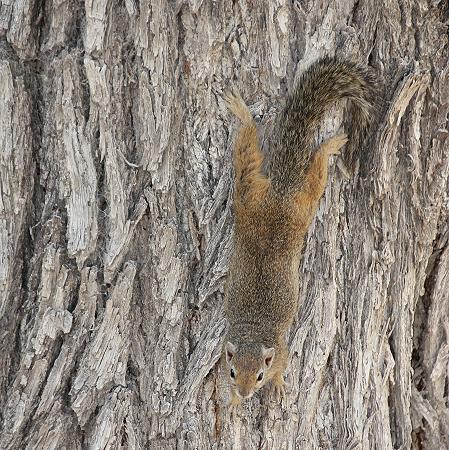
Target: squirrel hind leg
[(251, 185), (315, 181), (237, 106)]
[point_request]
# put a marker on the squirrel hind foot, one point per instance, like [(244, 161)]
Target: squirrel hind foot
[(237, 106), (333, 145)]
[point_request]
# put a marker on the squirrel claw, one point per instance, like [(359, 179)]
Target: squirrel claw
[(336, 143), (237, 106), (233, 99), (232, 409), (234, 402), (279, 392), (278, 388), (333, 145)]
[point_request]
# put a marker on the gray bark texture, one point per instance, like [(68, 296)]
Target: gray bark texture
[(116, 226)]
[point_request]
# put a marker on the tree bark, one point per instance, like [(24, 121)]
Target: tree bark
[(116, 227)]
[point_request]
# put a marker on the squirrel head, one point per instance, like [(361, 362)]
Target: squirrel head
[(248, 367)]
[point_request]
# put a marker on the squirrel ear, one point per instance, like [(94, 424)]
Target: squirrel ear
[(230, 351), (268, 354)]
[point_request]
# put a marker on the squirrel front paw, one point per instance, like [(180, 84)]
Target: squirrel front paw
[(235, 400), (234, 403), (278, 386)]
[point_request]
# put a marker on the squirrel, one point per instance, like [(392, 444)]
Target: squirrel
[(273, 211)]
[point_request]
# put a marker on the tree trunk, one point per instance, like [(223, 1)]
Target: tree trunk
[(116, 227)]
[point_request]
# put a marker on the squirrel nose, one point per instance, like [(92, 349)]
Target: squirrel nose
[(245, 393)]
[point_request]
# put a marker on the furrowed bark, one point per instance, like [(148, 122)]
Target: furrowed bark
[(116, 227)]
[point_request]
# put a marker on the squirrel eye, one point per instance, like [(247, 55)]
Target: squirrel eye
[(232, 373), (260, 376)]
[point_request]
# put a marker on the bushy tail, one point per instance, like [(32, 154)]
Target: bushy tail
[(323, 84)]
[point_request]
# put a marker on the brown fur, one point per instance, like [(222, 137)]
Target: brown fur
[(250, 184), (272, 216)]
